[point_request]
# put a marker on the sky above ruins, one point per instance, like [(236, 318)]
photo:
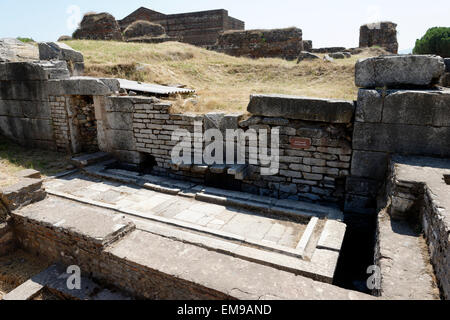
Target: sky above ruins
[(326, 22)]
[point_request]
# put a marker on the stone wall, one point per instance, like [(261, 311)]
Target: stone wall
[(382, 34), (315, 147), (417, 192), (393, 121), (25, 114), (197, 28), (40, 106), (275, 43)]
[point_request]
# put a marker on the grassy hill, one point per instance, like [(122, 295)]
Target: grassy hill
[(222, 82)]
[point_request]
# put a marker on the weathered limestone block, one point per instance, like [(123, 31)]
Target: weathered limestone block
[(368, 164), (24, 90), (300, 108), (127, 156), (83, 86), (56, 69), (25, 109), (399, 70), (119, 120), (401, 138), (121, 139), (427, 108), (24, 192), (370, 106), (61, 51), (22, 71), (307, 56)]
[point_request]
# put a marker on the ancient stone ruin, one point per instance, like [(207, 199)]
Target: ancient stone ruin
[(275, 43), (382, 34), (268, 226), (101, 26), (197, 28)]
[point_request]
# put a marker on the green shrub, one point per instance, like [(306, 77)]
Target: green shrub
[(435, 41), (26, 40)]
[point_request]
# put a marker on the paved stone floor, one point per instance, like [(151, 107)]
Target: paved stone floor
[(249, 225)]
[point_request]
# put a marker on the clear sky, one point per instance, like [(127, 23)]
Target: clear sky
[(326, 22)]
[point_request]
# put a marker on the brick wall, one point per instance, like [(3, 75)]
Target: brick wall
[(197, 28), (138, 127)]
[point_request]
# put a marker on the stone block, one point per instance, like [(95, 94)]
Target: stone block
[(59, 51), (427, 108), (29, 173), (83, 86), (400, 138), (399, 70), (25, 109), (22, 193), (119, 120), (362, 186), (300, 108), (22, 71), (120, 140), (369, 107), (372, 165), (24, 90), (133, 157)]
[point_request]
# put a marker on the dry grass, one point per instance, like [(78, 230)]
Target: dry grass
[(14, 158), (222, 82)]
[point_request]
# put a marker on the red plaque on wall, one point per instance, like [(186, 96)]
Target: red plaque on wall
[(300, 143)]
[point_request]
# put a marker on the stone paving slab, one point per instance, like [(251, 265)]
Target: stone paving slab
[(406, 270), (123, 197)]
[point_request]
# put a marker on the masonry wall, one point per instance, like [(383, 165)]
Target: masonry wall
[(25, 114), (406, 122), (275, 43), (414, 200), (197, 28), (41, 107), (315, 149)]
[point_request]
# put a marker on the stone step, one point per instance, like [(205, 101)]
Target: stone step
[(262, 204), (90, 159), (55, 279)]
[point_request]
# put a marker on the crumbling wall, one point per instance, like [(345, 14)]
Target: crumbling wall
[(101, 26), (382, 34), (275, 43), (197, 28)]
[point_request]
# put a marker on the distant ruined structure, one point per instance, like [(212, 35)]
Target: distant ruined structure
[(101, 26), (383, 34), (197, 28), (275, 43)]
